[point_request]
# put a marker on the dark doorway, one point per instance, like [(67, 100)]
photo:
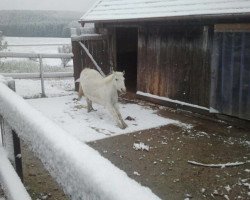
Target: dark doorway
[(126, 46)]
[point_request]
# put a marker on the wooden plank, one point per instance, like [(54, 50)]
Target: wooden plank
[(86, 37), (173, 105), (242, 27), (77, 61)]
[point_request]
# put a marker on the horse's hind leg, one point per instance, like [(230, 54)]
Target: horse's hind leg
[(80, 92), (89, 104)]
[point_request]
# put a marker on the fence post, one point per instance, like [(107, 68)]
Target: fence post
[(41, 75), (18, 155), (11, 141)]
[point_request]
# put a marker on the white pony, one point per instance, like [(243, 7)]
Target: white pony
[(103, 91)]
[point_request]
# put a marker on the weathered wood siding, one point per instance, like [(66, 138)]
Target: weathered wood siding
[(99, 49), (230, 92), (175, 63)]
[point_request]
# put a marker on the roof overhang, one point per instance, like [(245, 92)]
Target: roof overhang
[(235, 17)]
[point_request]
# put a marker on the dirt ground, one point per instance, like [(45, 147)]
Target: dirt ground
[(164, 167), (37, 180), (1, 193)]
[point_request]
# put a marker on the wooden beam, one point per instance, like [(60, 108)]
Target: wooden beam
[(89, 37), (232, 27)]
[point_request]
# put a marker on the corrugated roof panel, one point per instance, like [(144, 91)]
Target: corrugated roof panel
[(105, 10)]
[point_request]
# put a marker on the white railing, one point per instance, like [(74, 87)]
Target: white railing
[(41, 74), (10, 157), (80, 170)]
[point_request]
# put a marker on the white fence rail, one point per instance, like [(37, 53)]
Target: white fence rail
[(38, 75), (41, 75), (80, 170), (11, 183), (34, 55)]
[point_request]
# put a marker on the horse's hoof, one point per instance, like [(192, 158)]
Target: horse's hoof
[(123, 126), (92, 109)]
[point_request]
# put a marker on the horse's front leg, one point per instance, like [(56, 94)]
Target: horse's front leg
[(116, 116), (120, 116), (89, 104)]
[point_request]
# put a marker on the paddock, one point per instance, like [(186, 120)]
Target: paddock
[(172, 138), (175, 140)]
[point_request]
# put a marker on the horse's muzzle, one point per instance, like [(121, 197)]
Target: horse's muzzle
[(122, 91)]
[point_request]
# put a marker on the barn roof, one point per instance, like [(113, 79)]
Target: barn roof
[(132, 10)]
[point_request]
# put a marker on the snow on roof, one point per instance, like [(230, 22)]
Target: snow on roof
[(117, 10)]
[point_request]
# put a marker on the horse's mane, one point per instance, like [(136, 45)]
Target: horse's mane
[(109, 78)]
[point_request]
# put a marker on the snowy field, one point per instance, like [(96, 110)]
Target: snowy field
[(36, 45)]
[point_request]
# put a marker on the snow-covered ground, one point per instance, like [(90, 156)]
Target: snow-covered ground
[(63, 108), (72, 115), (53, 87)]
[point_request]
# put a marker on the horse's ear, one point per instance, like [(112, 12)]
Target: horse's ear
[(123, 72)]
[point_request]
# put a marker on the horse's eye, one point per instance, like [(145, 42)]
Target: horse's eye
[(116, 79)]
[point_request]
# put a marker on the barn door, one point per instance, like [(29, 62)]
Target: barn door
[(230, 80)]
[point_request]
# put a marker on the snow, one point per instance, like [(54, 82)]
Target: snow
[(28, 88), (29, 45), (73, 117), (140, 146), (11, 183), (170, 100), (147, 9), (79, 169), (136, 173)]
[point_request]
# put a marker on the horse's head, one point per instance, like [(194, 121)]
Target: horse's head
[(119, 81)]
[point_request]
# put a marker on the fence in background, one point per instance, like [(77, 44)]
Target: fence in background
[(41, 74)]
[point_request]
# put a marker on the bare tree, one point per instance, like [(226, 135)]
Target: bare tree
[(65, 49), (3, 44)]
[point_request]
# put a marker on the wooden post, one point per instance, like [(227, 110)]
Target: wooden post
[(41, 75), (18, 155)]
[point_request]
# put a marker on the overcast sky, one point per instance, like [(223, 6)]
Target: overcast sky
[(77, 5)]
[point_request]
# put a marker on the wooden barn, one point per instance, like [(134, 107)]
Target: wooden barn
[(192, 54)]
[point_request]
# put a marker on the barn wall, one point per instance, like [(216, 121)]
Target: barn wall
[(99, 49), (175, 63), (230, 92)]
